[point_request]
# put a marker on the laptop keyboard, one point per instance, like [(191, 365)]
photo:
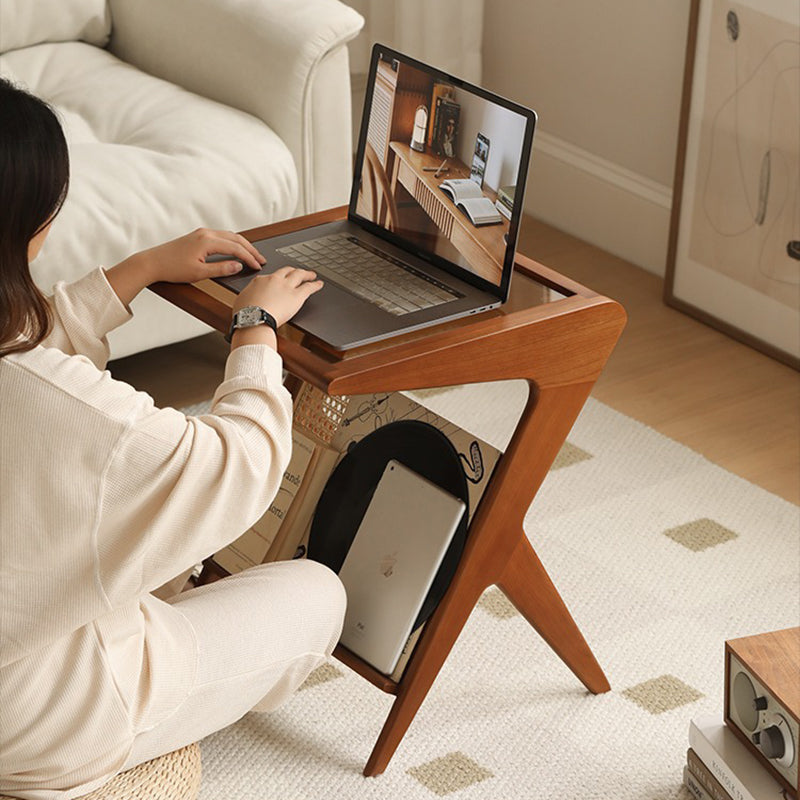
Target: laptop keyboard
[(368, 273)]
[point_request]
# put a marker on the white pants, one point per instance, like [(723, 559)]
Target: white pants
[(259, 634)]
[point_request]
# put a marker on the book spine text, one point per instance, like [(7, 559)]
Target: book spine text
[(695, 788), (716, 766), (702, 774)]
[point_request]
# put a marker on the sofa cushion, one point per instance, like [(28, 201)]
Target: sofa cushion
[(27, 22), (149, 162)]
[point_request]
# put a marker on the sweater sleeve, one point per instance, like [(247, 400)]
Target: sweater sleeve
[(178, 488), (83, 313)]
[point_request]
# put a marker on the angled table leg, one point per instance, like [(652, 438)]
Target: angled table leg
[(540, 434), (498, 552), (438, 638), (529, 588)]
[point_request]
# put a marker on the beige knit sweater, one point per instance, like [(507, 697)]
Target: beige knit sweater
[(103, 498)]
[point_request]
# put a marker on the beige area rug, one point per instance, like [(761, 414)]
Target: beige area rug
[(660, 555)]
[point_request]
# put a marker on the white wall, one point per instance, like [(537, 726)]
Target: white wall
[(605, 79), (505, 131)]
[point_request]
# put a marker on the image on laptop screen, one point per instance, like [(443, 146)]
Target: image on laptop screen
[(442, 166)]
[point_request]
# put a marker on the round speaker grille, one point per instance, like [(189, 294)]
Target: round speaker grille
[(744, 696)]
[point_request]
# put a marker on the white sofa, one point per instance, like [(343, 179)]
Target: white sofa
[(180, 114)]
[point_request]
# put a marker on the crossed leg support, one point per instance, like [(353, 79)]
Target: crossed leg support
[(528, 586)]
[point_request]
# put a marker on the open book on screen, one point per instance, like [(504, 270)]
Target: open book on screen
[(467, 195)]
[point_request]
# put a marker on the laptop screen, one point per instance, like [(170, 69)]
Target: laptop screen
[(441, 168)]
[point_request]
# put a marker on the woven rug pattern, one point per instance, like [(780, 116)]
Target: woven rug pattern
[(660, 556)]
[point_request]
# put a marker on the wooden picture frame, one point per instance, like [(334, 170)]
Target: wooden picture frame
[(733, 260)]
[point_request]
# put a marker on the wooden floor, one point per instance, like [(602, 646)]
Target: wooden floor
[(737, 407)]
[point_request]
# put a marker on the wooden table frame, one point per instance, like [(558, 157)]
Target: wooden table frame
[(559, 348)]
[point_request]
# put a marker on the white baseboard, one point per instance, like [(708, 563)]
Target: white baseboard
[(587, 196), (600, 202)]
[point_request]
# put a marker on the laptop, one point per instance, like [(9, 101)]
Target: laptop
[(409, 255), (392, 562)]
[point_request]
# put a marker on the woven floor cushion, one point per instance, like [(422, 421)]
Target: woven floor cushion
[(174, 776)]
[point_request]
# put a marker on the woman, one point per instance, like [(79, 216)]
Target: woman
[(104, 498)]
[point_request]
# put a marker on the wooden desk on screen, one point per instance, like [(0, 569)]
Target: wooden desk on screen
[(483, 247), (553, 333)]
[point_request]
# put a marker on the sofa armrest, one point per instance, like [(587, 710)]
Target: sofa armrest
[(283, 61)]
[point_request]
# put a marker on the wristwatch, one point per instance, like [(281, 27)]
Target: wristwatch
[(249, 317)]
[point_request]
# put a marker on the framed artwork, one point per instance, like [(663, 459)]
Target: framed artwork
[(734, 245), (445, 127)]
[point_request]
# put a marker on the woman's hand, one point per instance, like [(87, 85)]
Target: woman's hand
[(183, 260), (281, 294)]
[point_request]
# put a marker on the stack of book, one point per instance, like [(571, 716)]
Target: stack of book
[(505, 200), (720, 767), (439, 91)]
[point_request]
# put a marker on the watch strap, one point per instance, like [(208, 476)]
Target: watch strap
[(265, 319)]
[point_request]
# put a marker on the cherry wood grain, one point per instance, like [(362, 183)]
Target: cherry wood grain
[(774, 659), (554, 333)]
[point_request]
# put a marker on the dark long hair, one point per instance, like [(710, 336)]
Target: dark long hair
[(34, 176)]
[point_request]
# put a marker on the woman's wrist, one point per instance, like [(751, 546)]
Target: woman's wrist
[(258, 334), (130, 276)]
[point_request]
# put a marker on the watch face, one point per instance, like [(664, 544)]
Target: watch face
[(248, 317)]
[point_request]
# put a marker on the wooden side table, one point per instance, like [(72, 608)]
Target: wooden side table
[(553, 333)]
